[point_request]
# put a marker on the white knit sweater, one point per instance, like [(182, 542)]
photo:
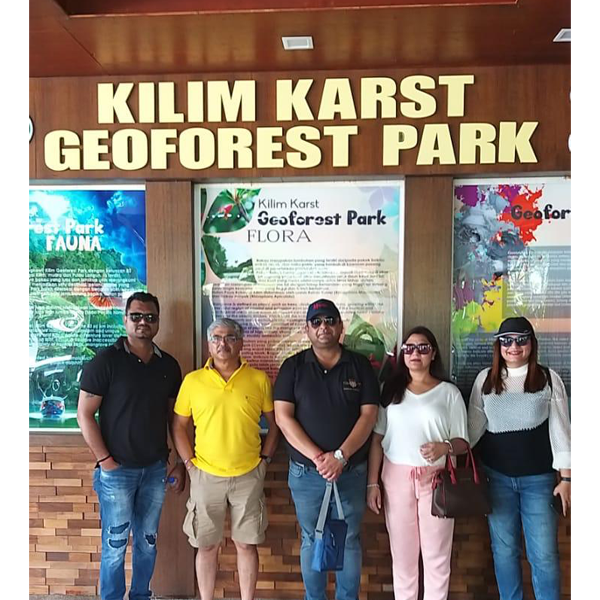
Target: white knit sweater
[(514, 410)]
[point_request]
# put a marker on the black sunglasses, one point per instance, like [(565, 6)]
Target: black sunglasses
[(148, 317), (420, 348), (520, 340), (316, 322)]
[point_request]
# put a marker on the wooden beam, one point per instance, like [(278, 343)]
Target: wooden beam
[(169, 239), (428, 258)]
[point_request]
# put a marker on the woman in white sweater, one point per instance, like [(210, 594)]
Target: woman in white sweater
[(519, 419), (423, 419)]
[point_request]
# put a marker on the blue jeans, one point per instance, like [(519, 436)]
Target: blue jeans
[(524, 501), (308, 488), (130, 499)]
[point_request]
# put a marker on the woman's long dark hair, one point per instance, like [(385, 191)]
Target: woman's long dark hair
[(536, 376), (396, 384)]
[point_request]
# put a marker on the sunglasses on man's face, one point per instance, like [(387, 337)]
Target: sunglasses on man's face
[(420, 348), (136, 317), (507, 341), (316, 322)]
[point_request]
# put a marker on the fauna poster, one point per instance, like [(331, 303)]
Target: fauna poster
[(87, 254), (268, 251), (512, 257)]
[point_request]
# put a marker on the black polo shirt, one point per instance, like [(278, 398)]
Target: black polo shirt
[(134, 411), (327, 402)]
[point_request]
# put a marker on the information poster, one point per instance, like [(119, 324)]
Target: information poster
[(512, 257), (87, 254), (268, 251)]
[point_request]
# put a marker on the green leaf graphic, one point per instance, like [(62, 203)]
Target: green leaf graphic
[(364, 338), (203, 200), (231, 212)]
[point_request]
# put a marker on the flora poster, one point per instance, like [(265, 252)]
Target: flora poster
[(268, 251)]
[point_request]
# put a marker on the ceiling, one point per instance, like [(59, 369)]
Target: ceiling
[(124, 37)]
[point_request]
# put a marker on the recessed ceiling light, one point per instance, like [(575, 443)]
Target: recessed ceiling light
[(564, 35), (297, 42)]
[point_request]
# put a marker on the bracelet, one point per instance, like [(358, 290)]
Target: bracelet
[(450, 445), (186, 461), (566, 479), (103, 459), (370, 485)]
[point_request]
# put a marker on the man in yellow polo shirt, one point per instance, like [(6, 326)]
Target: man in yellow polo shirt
[(225, 399)]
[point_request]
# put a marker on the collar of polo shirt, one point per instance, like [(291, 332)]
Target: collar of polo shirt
[(123, 345)]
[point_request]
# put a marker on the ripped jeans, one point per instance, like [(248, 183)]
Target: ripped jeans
[(130, 499)]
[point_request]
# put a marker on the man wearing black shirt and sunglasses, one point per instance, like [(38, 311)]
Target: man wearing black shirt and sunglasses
[(133, 385), (326, 402)]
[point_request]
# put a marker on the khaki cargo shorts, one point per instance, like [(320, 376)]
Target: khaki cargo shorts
[(207, 505)]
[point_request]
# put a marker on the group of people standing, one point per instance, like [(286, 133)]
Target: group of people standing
[(381, 449)]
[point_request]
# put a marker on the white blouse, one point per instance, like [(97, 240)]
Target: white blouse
[(434, 416)]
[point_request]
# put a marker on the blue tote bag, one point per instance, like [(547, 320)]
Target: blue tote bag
[(330, 535)]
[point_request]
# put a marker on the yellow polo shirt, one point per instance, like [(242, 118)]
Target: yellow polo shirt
[(226, 415)]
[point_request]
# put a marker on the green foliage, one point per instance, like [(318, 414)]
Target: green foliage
[(364, 338), (106, 259), (215, 254), (203, 201), (231, 212)]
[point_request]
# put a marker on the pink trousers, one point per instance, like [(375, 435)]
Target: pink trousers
[(412, 528)]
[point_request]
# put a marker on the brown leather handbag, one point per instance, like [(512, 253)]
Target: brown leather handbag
[(460, 491)]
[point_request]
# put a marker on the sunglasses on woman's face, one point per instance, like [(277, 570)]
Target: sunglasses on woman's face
[(507, 340), (420, 348)]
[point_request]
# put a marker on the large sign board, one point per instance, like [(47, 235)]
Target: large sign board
[(267, 251), (356, 124), (512, 257), (288, 141), (87, 254)]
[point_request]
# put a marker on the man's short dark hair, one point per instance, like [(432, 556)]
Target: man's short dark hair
[(142, 297)]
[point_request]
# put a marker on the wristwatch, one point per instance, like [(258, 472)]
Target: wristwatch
[(266, 458), (339, 455)]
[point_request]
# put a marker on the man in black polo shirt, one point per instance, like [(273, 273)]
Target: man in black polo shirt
[(326, 401), (133, 384)]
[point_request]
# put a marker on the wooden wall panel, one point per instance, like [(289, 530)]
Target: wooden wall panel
[(518, 93), (64, 521), (169, 239), (200, 36), (65, 538), (428, 257)]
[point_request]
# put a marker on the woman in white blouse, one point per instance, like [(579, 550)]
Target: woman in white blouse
[(519, 419), (423, 419)]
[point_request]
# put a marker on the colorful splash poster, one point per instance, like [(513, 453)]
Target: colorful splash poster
[(512, 257), (268, 251), (87, 254)]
